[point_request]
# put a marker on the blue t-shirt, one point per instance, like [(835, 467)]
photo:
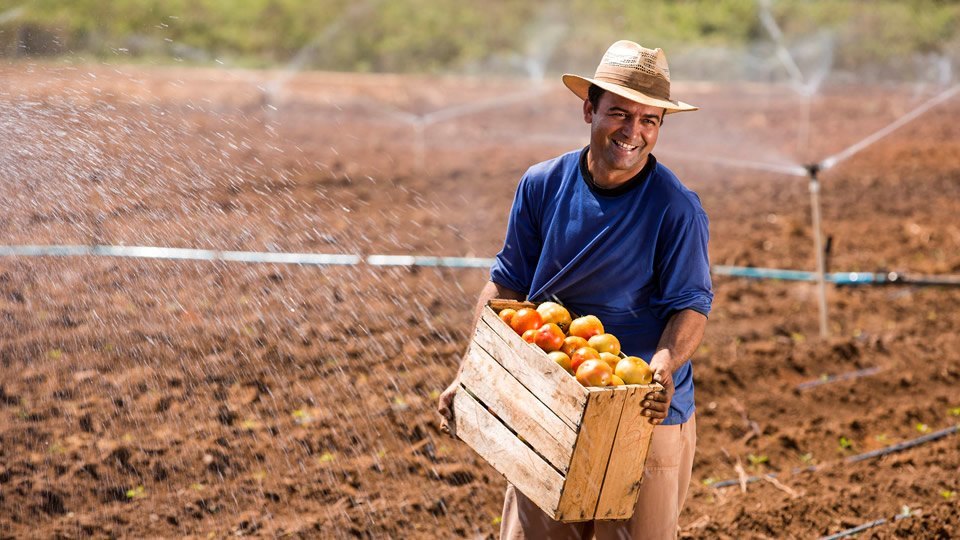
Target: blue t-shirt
[(633, 255)]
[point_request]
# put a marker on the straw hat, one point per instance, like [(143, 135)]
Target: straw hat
[(634, 72)]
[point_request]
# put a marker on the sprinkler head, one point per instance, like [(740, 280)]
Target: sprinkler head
[(812, 169)]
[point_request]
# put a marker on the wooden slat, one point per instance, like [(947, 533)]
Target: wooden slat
[(518, 408), (522, 467), (621, 484), (585, 477), (532, 367), (497, 304)]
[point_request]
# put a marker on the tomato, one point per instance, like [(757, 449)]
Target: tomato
[(553, 312), (586, 327), (610, 359), (572, 343), (530, 336), (507, 314), (562, 360), (594, 373), (634, 370), (581, 355), (549, 337), (526, 319), (605, 343)]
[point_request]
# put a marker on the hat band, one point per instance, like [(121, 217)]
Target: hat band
[(655, 87)]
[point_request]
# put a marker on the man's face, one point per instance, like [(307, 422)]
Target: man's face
[(622, 135)]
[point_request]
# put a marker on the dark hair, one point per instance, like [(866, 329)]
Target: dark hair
[(594, 93)]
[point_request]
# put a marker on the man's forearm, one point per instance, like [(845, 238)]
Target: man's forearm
[(680, 339), (490, 291)]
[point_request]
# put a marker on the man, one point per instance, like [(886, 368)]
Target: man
[(610, 231)]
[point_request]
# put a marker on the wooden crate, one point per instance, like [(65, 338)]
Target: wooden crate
[(576, 452)]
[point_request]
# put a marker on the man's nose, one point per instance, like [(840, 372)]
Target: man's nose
[(631, 128)]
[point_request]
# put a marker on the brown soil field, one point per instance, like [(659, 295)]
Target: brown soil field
[(172, 398)]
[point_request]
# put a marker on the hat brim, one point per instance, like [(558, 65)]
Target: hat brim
[(581, 85)]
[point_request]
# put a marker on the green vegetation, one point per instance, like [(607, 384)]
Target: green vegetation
[(510, 36)]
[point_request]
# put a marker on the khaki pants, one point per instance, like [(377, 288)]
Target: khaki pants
[(662, 492)]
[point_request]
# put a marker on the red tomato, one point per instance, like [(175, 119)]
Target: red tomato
[(583, 354), (594, 373), (526, 319), (549, 337)]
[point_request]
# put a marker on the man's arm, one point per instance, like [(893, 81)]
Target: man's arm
[(490, 291), (680, 339)]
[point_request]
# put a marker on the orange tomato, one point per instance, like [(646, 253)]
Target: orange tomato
[(562, 360), (549, 337), (530, 336), (581, 355), (507, 314), (526, 319), (605, 343), (586, 327), (572, 343), (594, 373), (553, 312), (610, 359), (634, 370)]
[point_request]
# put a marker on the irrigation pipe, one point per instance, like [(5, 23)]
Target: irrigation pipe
[(893, 448), (346, 259), (860, 528), (837, 278), (144, 252), (850, 375)]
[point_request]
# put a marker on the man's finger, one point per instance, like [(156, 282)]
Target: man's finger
[(655, 406), (656, 396)]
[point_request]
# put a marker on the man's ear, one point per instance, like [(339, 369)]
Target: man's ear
[(587, 111)]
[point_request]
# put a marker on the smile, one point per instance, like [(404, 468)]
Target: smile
[(625, 146)]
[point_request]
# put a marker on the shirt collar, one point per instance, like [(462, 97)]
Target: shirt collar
[(622, 188)]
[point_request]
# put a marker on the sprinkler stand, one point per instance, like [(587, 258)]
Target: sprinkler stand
[(812, 170)]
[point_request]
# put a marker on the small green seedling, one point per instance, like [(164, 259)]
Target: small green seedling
[(922, 428), (757, 460), (301, 416), (955, 411), (845, 444), (947, 494), (136, 493), (807, 458)]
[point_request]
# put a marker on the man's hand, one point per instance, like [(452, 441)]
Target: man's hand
[(448, 423), (679, 341), (656, 405)]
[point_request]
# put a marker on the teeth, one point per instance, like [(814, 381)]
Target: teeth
[(624, 145)]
